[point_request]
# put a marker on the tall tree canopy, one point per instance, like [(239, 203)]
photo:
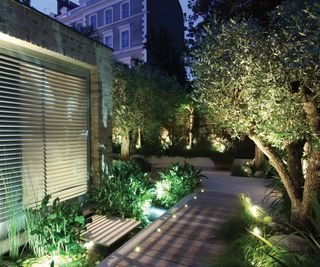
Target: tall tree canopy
[(266, 85)]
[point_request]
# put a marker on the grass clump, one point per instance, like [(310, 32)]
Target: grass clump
[(238, 224), (248, 232)]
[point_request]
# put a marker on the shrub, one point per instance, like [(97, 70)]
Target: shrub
[(179, 181), (55, 229), (125, 193), (241, 170)]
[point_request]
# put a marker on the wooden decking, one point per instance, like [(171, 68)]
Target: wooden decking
[(182, 238), (106, 231)]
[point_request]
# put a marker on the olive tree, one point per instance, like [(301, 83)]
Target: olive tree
[(143, 99), (266, 85)]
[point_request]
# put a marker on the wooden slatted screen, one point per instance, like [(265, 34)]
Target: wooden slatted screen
[(43, 134)]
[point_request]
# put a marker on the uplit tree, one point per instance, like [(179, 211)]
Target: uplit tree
[(266, 86), (143, 100)]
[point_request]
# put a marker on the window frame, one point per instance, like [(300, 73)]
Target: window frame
[(105, 17), (122, 30), (121, 9), (91, 16), (108, 34)]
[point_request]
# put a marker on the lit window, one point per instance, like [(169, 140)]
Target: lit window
[(125, 10), (125, 43), (108, 41), (93, 21), (108, 16)]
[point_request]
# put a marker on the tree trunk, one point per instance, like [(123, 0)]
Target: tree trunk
[(138, 145), (281, 168), (294, 162), (125, 145), (259, 159), (312, 175), (301, 199), (190, 127), (312, 182)]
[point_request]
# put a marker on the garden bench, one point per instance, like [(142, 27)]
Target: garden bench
[(106, 231)]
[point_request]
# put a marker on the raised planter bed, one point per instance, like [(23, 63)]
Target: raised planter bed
[(164, 162)]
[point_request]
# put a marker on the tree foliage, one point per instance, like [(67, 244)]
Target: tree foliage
[(143, 98), (265, 84)]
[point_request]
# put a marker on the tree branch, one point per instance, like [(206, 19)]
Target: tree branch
[(279, 165)]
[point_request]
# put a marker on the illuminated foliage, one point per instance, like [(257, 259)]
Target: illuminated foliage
[(237, 81), (127, 193), (265, 83), (179, 181), (55, 229), (143, 98)]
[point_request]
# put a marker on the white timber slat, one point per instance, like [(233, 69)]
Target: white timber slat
[(106, 231)]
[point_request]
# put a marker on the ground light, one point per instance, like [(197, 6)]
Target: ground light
[(255, 210), (256, 232), (89, 245), (155, 213)]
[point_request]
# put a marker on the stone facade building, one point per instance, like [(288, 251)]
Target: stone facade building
[(125, 25)]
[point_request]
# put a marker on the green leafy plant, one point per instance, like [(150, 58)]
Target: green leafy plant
[(125, 193), (55, 229), (179, 181)]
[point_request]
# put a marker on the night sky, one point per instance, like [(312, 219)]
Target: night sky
[(47, 6)]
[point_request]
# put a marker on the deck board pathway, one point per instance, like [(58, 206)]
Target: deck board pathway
[(184, 238)]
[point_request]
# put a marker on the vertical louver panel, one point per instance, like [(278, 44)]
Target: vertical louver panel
[(43, 134), (66, 142)]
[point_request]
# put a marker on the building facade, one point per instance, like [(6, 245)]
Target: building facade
[(124, 25)]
